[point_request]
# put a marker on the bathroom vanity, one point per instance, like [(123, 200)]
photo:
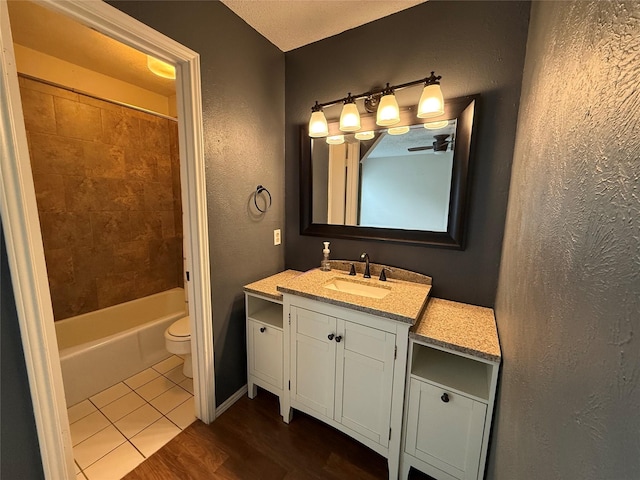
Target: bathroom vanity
[(366, 357)]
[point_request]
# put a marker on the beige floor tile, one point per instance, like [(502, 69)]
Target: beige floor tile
[(123, 406), (183, 415), (175, 374), (154, 388), (76, 467), (138, 420), (115, 464), (80, 410), (168, 364), (109, 395), (97, 446), (87, 426), (170, 399), (80, 476), (152, 438), (187, 384), (141, 378)]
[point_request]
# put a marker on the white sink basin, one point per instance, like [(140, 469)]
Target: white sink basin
[(356, 288)]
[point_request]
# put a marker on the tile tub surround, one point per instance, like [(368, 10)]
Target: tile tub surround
[(115, 430), (404, 303), (107, 184), (460, 327), (268, 287)]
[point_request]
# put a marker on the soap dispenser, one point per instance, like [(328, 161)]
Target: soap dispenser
[(325, 265)]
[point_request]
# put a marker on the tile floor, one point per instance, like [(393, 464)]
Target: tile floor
[(115, 430)]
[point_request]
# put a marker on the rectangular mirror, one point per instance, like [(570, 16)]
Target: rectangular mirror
[(406, 184)]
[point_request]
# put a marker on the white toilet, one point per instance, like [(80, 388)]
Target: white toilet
[(178, 341)]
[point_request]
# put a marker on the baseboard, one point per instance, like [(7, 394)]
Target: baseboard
[(224, 406)]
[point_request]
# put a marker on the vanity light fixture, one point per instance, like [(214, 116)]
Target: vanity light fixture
[(318, 123), (436, 125), (350, 117), (398, 130), (383, 101), (335, 140), (431, 102), (368, 135), (160, 68)]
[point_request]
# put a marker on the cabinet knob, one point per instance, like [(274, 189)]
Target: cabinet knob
[(338, 338), (330, 336), (262, 329), (445, 398)]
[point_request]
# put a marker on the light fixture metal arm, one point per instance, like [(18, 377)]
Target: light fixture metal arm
[(379, 91)]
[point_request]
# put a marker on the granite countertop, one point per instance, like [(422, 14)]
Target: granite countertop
[(267, 287), (404, 302), (460, 327)]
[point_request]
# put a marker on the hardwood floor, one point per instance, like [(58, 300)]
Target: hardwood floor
[(250, 441)]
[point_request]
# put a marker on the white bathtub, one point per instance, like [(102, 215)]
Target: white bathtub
[(101, 348)]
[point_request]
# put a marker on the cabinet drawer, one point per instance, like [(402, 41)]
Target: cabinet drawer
[(265, 356), (445, 429)]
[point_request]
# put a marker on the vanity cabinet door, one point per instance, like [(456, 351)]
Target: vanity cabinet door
[(364, 380), (265, 348), (445, 429), (313, 360)]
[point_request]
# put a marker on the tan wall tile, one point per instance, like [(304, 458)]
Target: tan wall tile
[(120, 128), (109, 203), (39, 114), (110, 227), (103, 160), (53, 154), (65, 229), (49, 192), (77, 120)]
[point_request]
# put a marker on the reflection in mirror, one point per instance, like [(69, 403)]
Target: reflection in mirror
[(388, 181), (407, 183)]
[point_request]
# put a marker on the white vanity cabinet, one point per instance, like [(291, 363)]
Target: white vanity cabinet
[(449, 403), (347, 369), (265, 346)]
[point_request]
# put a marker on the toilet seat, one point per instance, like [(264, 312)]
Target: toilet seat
[(179, 330)]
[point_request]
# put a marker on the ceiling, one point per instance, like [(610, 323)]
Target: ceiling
[(290, 24)]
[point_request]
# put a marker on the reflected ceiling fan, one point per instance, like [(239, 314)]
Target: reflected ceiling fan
[(441, 144)]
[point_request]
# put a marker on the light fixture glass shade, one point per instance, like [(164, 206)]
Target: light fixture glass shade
[(350, 118), (335, 140), (388, 111), (368, 135), (431, 102), (398, 130), (160, 68), (318, 125), (436, 125)]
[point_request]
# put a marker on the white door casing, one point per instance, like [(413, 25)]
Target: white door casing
[(24, 240)]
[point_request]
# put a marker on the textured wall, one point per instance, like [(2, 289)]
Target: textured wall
[(19, 448), (477, 47), (568, 303), (243, 108), (107, 182)]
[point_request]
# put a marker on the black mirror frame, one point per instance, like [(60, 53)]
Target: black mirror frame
[(463, 109)]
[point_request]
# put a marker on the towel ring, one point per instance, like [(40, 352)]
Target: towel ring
[(260, 189)]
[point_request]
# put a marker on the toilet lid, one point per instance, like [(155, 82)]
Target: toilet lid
[(181, 328)]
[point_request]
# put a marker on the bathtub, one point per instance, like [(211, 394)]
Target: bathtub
[(101, 348)]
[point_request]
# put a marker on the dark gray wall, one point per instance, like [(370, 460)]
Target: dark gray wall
[(243, 107), (19, 449), (477, 47), (568, 302)]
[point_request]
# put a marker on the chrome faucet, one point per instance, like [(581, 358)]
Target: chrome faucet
[(365, 257)]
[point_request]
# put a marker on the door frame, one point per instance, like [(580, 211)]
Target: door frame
[(19, 214)]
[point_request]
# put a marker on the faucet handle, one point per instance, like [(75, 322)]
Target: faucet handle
[(383, 277), (352, 270)]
